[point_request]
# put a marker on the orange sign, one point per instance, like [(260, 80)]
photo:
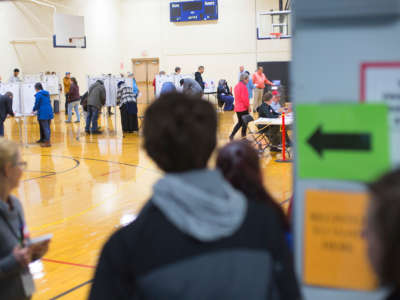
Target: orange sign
[(334, 250)]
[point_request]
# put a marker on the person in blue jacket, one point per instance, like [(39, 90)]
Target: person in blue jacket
[(44, 114), (250, 86)]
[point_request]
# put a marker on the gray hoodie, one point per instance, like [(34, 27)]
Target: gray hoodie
[(14, 279), (201, 204)]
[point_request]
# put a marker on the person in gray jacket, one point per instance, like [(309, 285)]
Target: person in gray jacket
[(16, 282), (191, 87), (96, 100)]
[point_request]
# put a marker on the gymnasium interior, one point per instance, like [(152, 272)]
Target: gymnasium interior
[(333, 68)]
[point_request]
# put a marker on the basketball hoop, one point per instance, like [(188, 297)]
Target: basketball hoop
[(275, 35)]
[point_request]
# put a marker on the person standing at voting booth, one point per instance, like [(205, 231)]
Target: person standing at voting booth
[(17, 251), (199, 78), (128, 107), (96, 100), (5, 109), (73, 100), (67, 86), (15, 77), (44, 114), (259, 80), (242, 105)]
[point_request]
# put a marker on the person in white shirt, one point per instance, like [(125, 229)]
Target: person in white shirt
[(15, 78)]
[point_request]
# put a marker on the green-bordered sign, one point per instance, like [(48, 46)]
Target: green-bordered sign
[(342, 141)]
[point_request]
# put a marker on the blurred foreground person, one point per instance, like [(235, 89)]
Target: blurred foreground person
[(382, 231), (16, 282), (197, 237)]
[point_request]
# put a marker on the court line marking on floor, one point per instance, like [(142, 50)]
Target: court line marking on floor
[(72, 289), (67, 263), (77, 163), (74, 216)]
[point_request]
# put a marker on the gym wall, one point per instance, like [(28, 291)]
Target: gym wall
[(119, 30)]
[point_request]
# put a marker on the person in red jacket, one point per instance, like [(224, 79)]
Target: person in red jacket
[(242, 104)]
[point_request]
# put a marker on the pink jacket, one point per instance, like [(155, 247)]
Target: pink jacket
[(241, 97)]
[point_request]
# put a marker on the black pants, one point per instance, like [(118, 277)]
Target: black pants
[(45, 131), (66, 105), (1, 127), (129, 121), (239, 124)]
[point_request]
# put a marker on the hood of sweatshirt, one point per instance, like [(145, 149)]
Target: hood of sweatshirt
[(201, 204)]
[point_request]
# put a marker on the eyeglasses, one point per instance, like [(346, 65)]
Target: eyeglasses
[(22, 165)]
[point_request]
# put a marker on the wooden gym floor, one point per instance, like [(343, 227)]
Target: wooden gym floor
[(82, 190)]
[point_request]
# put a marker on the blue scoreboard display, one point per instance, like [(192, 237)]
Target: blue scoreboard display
[(187, 11)]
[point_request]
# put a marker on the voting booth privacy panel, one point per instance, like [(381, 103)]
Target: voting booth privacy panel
[(24, 91), (110, 85), (210, 85), (346, 133)]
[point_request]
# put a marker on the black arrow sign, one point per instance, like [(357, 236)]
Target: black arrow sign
[(339, 141)]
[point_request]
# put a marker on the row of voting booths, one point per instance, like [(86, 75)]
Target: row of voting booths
[(210, 85), (24, 91)]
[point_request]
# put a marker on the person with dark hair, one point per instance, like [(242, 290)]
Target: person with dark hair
[(196, 226), (199, 78), (224, 95), (73, 101), (95, 102), (177, 71), (242, 105), (128, 108), (381, 231), (44, 114), (191, 87), (14, 78), (5, 109), (240, 164), (272, 132)]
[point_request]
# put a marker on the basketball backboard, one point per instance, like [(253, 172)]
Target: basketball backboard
[(69, 31), (274, 24)]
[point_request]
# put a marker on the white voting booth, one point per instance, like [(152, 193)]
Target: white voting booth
[(111, 87), (23, 102)]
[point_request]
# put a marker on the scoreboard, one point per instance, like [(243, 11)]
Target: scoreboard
[(201, 10)]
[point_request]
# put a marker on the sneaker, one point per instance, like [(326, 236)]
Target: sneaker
[(87, 131), (67, 121), (39, 141), (77, 121), (45, 144), (97, 132)]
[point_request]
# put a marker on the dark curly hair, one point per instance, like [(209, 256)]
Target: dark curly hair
[(180, 132), (240, 165), (384, 218)]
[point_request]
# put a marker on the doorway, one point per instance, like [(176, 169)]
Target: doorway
[(145, 70)]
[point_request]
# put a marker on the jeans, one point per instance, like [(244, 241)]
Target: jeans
[(91, 119), (73, 105), (45, 130), (1, 128), (239, 124)]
